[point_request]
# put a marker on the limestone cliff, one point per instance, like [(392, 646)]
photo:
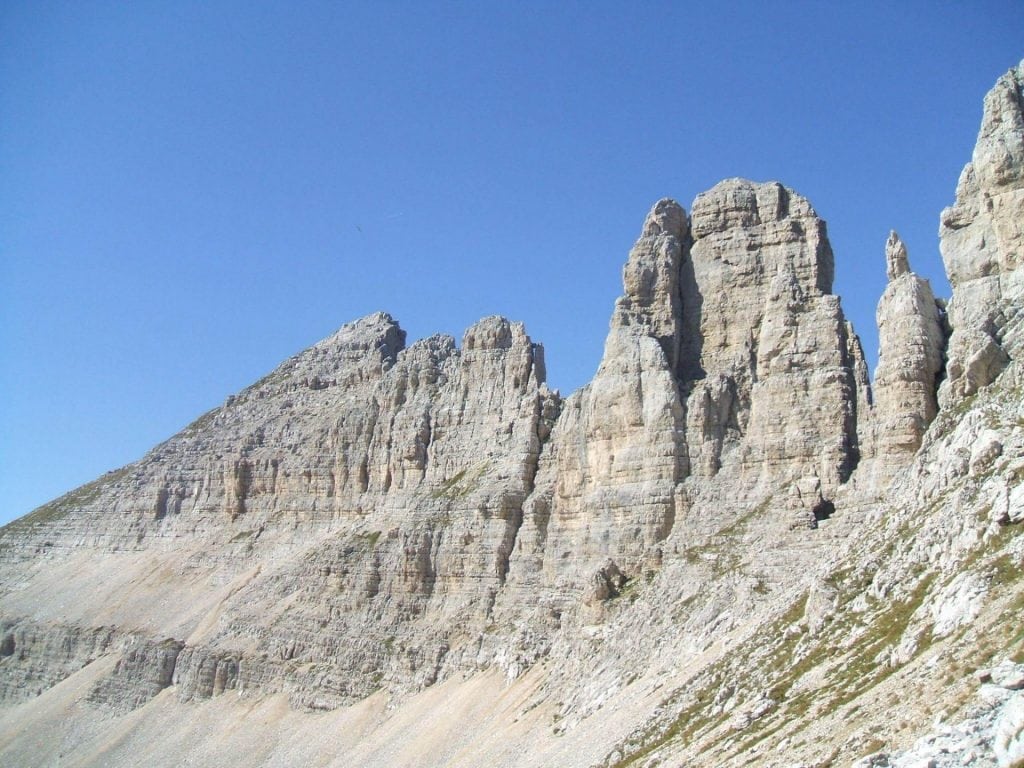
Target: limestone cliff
[(727, 549), (360, 483), (771, 364), (982, 241)]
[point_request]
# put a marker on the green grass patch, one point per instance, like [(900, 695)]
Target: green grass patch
[(368, 540), (460, 484)]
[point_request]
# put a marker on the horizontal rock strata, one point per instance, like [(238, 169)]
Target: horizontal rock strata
[(726, 549)]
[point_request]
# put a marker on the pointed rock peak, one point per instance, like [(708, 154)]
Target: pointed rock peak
[(666, 217), (997, 163), (650, 278), (896, 262), (377, 330), (494, 332), (1004, 105), (982, 242)]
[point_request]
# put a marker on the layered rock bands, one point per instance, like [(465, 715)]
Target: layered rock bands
[(372, 514)]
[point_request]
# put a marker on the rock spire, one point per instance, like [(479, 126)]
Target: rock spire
[(911, 345), (896, 261)]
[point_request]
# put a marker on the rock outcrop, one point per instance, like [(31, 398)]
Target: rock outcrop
[(912, 342), (726, 353), (982, 242), (724, 550), (770, 363), (992, 736), (412, 488), (371, 483), (606, 486)]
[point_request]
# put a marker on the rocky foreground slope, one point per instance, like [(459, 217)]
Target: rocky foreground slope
[(730, 548)]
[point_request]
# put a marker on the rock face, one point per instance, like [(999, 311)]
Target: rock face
[(912, 342), (982, 241), (370, 483), (726, 353), (724, 550), (992, 737), (770, 364), (606, 486), (432, 491)]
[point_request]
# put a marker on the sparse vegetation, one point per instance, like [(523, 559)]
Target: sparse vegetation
[(201, 423), (368, 540), (59, 508), (460, 484), (450, 488)]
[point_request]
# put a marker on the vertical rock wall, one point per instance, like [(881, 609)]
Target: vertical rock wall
[(982, 241), (606, 485), (726, 354), (770, 363)]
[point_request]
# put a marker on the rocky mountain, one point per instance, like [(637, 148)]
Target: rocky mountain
[(730, 548)]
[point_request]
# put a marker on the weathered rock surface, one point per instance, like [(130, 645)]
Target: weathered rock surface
[(725, 550), (992, 737), (912, 342), (370, 484), (725, 354), (605, 490), (36, 658), (771, 366), (982, 241), (144, 669)]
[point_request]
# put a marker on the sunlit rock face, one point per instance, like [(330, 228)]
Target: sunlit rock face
[(364, 512), (605, 491), (323, 510), (773, 370), (982, 241), (726, 549), (912, 340)]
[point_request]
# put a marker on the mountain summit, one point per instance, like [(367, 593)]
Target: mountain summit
[(730, 548)]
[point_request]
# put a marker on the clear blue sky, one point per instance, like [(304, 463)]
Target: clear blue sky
[(192, 192)]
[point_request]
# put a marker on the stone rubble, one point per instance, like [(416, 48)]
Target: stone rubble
[(993, 737)]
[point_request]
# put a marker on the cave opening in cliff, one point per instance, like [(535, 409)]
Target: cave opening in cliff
[(823, 510)]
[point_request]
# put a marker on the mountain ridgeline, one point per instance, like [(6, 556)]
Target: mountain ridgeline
[(730, 548)]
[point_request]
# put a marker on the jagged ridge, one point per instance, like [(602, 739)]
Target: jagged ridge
[(708, 536)]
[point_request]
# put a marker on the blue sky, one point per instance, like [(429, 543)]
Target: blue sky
[(192, 192)]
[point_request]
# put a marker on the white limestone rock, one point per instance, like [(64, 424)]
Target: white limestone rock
[(982, 242), (958, 604), (372, 483), (912, 343), (1008, 675), (1008, 738), (768, 357), (605, 488), (632, 575)]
